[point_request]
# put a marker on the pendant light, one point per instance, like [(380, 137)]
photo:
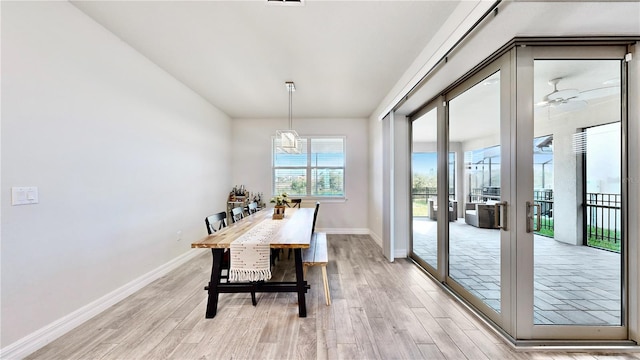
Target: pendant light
[(289, 139)]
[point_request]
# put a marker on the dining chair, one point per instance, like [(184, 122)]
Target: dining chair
[(214, 223), (315, 216), (313, 226), (294, 203), (252, 208), (237, 213)]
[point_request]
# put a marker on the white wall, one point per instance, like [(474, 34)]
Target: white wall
[(251, 144), (123, 155), (375, 192)]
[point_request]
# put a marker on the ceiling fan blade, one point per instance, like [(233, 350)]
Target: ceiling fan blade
[(598, 93), (563, 94), (571, 105)]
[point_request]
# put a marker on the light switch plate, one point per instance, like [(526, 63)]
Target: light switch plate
[(24, 195)]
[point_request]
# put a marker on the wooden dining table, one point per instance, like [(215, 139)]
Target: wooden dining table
[(294, 233)]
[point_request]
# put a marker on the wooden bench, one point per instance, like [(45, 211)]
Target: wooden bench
[(318, 255)]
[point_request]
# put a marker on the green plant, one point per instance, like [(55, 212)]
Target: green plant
[(281, 199)]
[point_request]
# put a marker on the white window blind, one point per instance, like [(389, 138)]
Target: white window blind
[(316, 171)]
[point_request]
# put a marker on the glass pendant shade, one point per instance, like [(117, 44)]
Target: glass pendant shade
[(288, 140)]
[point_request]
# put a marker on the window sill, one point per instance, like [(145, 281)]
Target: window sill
[(311, 199)]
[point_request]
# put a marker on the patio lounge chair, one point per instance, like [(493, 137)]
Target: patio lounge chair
[(480, 215)]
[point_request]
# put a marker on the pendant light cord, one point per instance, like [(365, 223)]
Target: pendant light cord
[(290, 109)]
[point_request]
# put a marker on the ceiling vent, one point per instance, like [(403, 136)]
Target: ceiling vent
[(286, 2)]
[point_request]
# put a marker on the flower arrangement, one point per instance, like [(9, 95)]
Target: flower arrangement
[(280, 200)]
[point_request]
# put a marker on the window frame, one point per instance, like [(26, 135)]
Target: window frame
[(309, 168)]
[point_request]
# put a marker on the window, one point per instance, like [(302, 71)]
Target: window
[(317, 171)]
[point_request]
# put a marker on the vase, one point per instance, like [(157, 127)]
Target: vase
[(278, 212)]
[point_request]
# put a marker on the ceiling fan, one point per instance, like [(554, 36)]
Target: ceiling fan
[(573, 99)]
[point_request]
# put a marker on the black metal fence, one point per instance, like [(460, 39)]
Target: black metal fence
[(544, 198), (422, 195), (604, 212)]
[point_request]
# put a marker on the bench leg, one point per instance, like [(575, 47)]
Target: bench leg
[(327, 295)]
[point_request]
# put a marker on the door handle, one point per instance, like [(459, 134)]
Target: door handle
[(500, 216), (532, 225)]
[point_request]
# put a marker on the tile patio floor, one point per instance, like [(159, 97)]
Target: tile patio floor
[(572, 284)]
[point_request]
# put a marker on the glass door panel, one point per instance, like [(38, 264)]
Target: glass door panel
[(577, 193), (474, 234), (424, 184)]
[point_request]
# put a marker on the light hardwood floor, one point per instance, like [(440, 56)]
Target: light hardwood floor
[(379, 310)]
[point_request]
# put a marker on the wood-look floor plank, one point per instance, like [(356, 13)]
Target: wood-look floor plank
[(445, 344), (363, 334), (307, 339), (167, 346), (413, 327), (343, 326), (349, 352), (431, 351), (380, 310), (462, 341), (487, 345), (138, 348)]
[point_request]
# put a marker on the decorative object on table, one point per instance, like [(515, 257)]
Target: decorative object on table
[(280, 201), (238, 193), (257, 198), (240, 196), (250, 254)]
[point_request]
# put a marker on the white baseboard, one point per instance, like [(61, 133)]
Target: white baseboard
[(400, 253), (376, 238), (39, 338)]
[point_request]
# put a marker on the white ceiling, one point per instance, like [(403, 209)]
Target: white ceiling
[(344, 56)]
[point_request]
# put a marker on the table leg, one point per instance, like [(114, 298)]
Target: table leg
[(216, 271), (300, 283)]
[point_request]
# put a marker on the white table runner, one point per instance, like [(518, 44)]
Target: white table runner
[(250, 253)]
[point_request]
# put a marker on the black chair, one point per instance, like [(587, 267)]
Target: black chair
[(313, 226), (237, 213), (252, 208), (315, 216), (294, 203), (214, 223)]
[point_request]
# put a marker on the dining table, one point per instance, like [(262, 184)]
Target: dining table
[(292, 232)]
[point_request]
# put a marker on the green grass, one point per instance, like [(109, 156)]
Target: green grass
[(420, 208), (545, 232), (593, 239)]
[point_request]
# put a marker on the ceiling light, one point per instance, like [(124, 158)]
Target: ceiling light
[(286, 2), (289, 141)]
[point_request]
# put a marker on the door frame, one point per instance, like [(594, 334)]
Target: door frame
[(505, 64), (526, 332), (435, 270)]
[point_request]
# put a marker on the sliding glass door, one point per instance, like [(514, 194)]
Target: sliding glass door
[(518, 195), (573, 230), (424, 189), (478, 231)]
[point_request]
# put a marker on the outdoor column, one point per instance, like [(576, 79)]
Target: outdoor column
[(567, 187)]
